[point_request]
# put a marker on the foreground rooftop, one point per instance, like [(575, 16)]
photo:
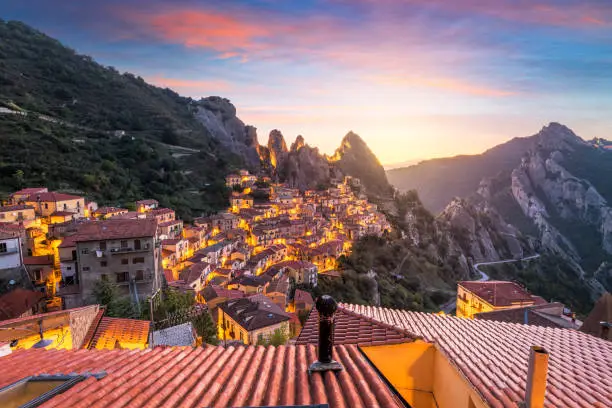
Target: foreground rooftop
[(494, 356), (205, 377)]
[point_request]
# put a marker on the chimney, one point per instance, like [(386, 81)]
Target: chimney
[(326, 307), (536, 378)]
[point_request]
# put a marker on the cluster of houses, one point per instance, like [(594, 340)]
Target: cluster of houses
[(270, 241)]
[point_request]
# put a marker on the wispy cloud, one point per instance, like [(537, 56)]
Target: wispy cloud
[(445, 84)]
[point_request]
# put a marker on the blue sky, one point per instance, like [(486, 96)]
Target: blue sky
[(415, 78)]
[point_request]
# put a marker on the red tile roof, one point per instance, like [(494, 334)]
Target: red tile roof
[(548, 315), (112, 330), (110, 210), (51, 197), (353, 328), (500, 293), (206, 377), (116, 229), (301, 296), (17, 302), (30, 190), (494, 356)]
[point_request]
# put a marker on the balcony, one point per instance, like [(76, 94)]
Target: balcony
[(115, 251)]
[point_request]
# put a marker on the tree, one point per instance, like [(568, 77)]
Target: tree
[(206, 328), (18, 177), (107, 294), (278, 338)]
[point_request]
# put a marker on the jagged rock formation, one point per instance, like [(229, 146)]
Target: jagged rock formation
[(277, 148), (481, 231), (218, 115), (355, 158)]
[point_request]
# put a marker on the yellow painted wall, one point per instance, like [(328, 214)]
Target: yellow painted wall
[(423, 375), (409, 367), (451, 389)]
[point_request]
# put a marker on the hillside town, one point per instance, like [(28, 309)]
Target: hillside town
[(252, 268), (271, 243)]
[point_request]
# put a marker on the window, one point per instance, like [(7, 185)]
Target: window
[(85, 268), (65, 206), (125, 261), (124, 244), (84, 251), (69, 268), (103, 264), (69, 280), (2, 216), (37, 275), (74, 255), (34, 391), (138, 260), (241, 339), (78, 204), (140, 275), (46, 206), (102, 245), (136, 244), (122, 277), (104, 277), (3, 247)]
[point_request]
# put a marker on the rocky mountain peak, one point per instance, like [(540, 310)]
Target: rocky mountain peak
[(298, 144), (556, 136), (355, 158), (277, 147), (218, 115)]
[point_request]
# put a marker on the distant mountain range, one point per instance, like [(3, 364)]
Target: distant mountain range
[(553, 188)]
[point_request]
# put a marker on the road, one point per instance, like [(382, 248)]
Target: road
[(452, 305)]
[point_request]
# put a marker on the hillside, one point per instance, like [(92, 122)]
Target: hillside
[(438, 181), (166, 152)]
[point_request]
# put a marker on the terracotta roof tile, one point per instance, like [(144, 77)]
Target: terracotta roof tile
[(353, 328), (501, 293), (111, 330), (206, 377), (494, 356), (18, 301), (116, 229), (51, 196)]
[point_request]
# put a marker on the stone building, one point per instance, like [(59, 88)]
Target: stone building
[(125, 252)]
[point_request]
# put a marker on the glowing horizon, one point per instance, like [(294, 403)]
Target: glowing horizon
[(415, 79)]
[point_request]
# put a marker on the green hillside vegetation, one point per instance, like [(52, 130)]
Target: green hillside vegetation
[(81, 152)]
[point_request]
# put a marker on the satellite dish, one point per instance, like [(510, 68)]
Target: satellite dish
[(12, 282), (42, 343)]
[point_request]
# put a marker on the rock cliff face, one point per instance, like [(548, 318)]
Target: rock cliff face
[(218, 116), (277, 148), (354, 158), (555, 201), (481, 232)]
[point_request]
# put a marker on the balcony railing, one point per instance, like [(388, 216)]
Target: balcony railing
[(127, 249)]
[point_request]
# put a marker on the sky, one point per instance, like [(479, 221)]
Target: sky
[(416, 79)]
